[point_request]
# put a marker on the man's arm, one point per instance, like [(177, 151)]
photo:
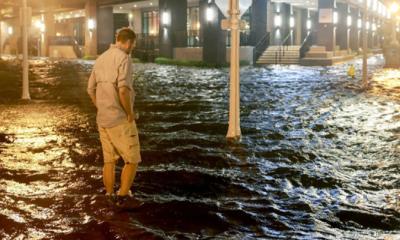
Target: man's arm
[(125, 98), (125, 89), (91, 90)]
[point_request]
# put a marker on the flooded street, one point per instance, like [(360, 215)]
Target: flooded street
[(319, 158)]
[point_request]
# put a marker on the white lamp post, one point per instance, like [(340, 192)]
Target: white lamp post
[(25, 64), (365, 46), (236, 10)]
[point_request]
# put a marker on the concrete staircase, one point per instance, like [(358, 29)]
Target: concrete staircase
[(319, 56), (280, 55)]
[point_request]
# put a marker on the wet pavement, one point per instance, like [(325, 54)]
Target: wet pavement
[(319, 157)]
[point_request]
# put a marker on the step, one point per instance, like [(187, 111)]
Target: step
[(281, 57), (319, 54), (317, 49), (284, 63)]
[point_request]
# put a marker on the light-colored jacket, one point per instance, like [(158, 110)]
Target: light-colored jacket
[(112, 70)]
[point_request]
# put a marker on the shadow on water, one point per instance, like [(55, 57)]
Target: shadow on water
[(318, 158)]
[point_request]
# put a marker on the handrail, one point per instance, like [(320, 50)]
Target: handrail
[(66, 40), (260, 47), (305, 46), (281, 49)]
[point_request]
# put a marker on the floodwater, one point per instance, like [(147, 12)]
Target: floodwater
[(319, 158)]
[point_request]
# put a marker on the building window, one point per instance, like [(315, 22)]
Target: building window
[(150, 22), (193, 27)]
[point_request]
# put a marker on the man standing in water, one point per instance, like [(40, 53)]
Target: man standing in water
[(111, 89)]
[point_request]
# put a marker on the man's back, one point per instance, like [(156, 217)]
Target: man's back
[(112, 70)]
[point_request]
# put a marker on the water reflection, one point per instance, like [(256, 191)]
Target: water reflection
[(318, 158)]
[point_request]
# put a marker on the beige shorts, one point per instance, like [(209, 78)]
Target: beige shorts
[(120, 141)]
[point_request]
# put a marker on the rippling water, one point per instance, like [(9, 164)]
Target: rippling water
[(319, 158)]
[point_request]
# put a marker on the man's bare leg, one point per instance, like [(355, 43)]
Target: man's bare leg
[(127, 177), (109, 177)]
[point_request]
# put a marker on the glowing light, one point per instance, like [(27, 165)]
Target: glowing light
[(359, 23), (291, 22), (10, 30), (278, 20), (349, 21), (130, 16), (91, 24), (335, 17), (210, 14), (394, 7), (40, 25), (309, 24), (165, 18)]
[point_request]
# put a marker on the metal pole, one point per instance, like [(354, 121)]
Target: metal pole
[(25, 64), (234, 95), (365, 46)]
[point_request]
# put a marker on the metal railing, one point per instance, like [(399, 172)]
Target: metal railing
[(244, 39), (307, 43), (260, 47), (146, 46), (66, 40), (283, 47)]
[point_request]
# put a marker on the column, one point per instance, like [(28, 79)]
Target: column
[(281, 18), (370, 33), (381, 33), (50, 31), (304, 13), (137, 21), (173, 26), (105, 34), (326, 30), (298, 31), (375, 33), (213, 37), (354, 30), (91, 28), (342, 28), (258, 23)]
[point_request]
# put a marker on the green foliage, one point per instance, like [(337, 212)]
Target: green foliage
[(87, 57), (136, 60)]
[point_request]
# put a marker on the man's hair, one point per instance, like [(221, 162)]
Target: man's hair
[(125, 34)]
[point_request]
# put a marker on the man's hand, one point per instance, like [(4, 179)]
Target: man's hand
[(125, 98)]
